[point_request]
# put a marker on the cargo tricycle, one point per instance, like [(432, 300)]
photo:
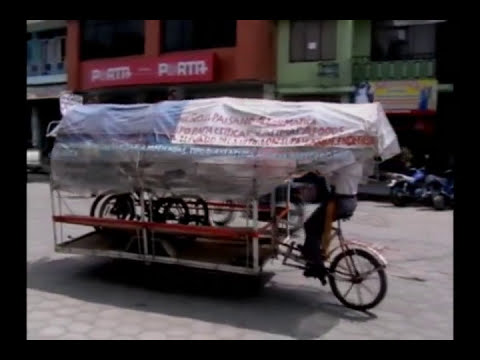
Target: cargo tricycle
[(168, 178)]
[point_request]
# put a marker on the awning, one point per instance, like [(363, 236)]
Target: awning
[(45, 92), (415, 22)]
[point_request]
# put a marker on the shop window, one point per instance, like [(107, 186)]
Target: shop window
[(444, 55), (28, 128), (29, 52), (50, 34), (313, 40), (46, 52), (111, 38), (316, 98), (396, 40), (182, 35)]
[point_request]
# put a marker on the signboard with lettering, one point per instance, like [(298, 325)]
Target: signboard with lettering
[(402, 96), (328, 69), (407, 96), (166, 69), (273, 124)]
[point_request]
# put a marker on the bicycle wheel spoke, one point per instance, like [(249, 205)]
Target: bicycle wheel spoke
[(368, 273), (355, 267), (367, 288), (343, 268), (348, 291), (359, 294), (343, 273)]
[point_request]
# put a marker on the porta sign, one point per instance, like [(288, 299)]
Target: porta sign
[(167, 69)]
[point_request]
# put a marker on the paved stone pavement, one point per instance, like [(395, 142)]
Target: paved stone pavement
[(75, 297)]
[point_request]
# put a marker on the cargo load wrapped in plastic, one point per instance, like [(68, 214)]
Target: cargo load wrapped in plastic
[(221, 147)]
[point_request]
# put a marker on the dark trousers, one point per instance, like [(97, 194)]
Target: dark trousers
[(316, 223)]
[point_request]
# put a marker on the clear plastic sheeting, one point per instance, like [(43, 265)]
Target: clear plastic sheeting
[(223, 147)]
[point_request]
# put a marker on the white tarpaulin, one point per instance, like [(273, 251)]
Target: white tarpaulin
[(267, 123), (214, 146), (68, 100)]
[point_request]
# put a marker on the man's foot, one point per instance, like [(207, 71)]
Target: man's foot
[(316, 271)]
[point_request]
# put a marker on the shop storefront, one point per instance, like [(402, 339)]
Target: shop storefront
[(412, 108), (181, 59), (148, 80), (313, 97), (152, 94), (43, 106)]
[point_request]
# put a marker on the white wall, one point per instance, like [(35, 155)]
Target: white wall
[(39, 25)]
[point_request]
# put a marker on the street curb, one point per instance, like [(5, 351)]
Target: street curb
[(374, 192), (373, 197)]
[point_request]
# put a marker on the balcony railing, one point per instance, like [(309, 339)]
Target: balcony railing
[(334, 73), (364, 69), (39, 69)]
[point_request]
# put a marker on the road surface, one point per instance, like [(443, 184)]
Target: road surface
[(74, 297)]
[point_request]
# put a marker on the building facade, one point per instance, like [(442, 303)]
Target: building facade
[(132, 61), (404, 64), (46, 77)]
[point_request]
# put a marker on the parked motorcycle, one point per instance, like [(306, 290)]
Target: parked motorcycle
[(405, 189), (442, 190)]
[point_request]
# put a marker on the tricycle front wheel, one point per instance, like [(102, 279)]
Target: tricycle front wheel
[(359, 269)]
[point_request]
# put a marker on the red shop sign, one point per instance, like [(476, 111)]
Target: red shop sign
[(166, 69)]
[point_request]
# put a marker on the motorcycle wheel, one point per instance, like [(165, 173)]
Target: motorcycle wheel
[(439, 202), (398, 197)]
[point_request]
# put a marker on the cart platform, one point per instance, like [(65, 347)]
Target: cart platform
[(218, 254)]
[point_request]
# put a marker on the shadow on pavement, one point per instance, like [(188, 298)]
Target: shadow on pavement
[(38, 177), (301, 313), (409, 206), (417, 207), (432, 209)]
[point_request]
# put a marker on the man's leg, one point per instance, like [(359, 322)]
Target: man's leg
[(313, 238), (313, 234), (346, 207)]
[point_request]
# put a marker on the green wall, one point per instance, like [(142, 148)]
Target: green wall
[(353, 42), (302, 77), (361, 38)]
